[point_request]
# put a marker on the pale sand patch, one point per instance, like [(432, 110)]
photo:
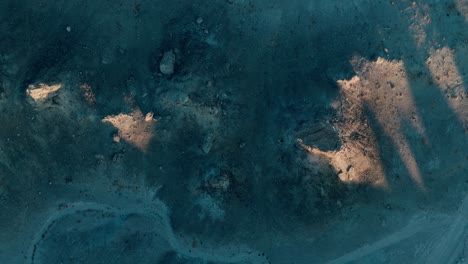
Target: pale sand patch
[(135, 128), (41, 92), (381, 87), (462, 6), (446, 75)]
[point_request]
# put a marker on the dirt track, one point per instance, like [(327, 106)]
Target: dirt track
[(233, 131)]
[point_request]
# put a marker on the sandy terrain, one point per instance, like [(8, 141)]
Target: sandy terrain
[(233, 131)]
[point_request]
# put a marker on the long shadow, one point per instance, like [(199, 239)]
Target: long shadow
[(449, 17), (443, 138), (397, 175), (280, 86)]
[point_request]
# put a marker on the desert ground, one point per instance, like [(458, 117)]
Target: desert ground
[(233, 131)]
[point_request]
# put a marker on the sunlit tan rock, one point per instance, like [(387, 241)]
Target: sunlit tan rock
[(135, 128), (42, 92)]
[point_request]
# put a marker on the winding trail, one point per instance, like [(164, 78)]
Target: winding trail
[(161, 220), (445, 251), (452, 243), (417, 225)]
